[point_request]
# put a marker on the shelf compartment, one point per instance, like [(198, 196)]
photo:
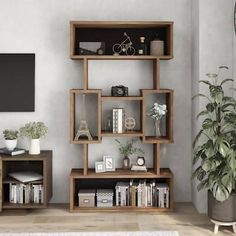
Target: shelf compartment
[(108, 180), (112, 32), (162, 96), (41, 164), (92, 105), (132, 107)]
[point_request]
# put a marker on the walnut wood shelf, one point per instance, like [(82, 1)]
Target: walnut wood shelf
[(41, 163), (126, 134), (121, 209), (121, 174), (111, 32), (128, 98), (21, 206), (106, 57)]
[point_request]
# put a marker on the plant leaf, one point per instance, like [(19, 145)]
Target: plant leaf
[(226, 80), (202, 113), (205, 82), (197, 137)]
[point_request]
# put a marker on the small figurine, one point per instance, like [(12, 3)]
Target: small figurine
[(124, 47)]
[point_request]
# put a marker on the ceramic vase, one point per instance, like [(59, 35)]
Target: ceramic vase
[(34, 147), (10, 144)]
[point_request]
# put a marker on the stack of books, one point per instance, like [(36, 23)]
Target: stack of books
[(142, 194), (118, 115), (25, 187), (26, 193)]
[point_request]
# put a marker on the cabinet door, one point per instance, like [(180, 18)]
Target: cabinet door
[(1, 186)]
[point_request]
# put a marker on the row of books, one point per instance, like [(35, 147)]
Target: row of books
[(25, 193), (142, 194), (118, 116)]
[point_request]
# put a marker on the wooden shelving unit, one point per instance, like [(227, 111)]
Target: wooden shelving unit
[(108, 32), (41, 164)]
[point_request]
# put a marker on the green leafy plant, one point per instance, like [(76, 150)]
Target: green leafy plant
[(10, 134), (128, 148), (215, 144), (34, 130)]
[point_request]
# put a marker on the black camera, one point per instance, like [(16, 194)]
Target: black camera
[(119, 91)]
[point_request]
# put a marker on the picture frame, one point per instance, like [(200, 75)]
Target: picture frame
[(99, 167), (109, 163)]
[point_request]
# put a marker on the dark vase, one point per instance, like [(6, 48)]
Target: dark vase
[(222, 211), (126, 163)]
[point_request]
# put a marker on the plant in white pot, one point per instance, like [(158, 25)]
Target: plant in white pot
[(10, 138), (34, 131), (215, 149)]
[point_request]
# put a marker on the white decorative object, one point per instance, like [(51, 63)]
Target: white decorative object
[(157, 47), (130, 123), (10, 144), (109, 163), (99, 167), (34, 147), (156, 112)]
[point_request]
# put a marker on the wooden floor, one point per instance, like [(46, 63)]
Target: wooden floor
[(184, 219)]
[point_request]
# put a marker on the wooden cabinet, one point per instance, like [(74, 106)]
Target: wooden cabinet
[(110, 33), (41, 164)]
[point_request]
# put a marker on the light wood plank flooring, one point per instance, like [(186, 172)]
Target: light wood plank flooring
[(56, 218)]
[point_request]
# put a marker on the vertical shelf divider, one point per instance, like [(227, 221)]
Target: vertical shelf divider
[(156, 158), (85, 74), (85, 158), (72, 116)]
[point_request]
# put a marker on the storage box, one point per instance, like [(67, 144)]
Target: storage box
[(86, 197), (105, 197)]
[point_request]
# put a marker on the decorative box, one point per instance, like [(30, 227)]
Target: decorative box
[(105, 197), (86, 197)]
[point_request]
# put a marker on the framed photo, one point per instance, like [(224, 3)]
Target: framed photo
[(99, 167), (109, 163)]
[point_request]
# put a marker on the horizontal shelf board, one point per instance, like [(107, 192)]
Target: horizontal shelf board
[(111, 57), (121, 24), (126, 134), (9, 180), (150, 91), (15, 205), (84, 141), (86, 91), (132, 98), (121, 174), (153, 139), (26, 157), (119, 208)]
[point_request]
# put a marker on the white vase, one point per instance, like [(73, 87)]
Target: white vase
[(10, 144), (34, 147)]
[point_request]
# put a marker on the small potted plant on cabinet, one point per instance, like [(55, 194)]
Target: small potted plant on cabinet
[(34, 131), (127, 150), (10, 138), (215, 150)]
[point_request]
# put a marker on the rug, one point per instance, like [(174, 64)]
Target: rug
[(138, 233)]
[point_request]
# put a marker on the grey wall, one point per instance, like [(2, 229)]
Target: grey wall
[(212, 37), (42, 27)]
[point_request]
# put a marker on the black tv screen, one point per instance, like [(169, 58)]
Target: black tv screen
[(17, 82)]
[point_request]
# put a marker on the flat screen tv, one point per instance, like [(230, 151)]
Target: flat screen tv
[(17, 82)]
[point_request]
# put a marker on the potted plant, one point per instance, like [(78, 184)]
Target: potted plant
[(156, 112), (34, 131), (215, 149), (128, 149), (10, 138)]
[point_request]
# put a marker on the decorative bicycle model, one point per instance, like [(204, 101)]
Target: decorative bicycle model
[(125, 47)]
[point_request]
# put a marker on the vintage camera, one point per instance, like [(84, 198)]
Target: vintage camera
[(119, 91)]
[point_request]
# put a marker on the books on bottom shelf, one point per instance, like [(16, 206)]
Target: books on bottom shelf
[(118, 115), (142, 194), (26, 193)]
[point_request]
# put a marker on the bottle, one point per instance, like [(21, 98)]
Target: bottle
[(142, 50), (157, 47)]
